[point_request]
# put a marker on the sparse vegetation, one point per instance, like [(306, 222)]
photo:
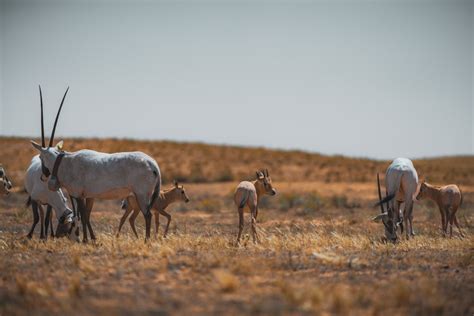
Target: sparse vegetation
[(319, 252)]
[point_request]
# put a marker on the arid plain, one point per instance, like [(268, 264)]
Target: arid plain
[(319, 253)]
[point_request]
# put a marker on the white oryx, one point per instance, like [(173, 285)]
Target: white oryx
[(91, 174), (5, 183), (38, 195), (401, 183)]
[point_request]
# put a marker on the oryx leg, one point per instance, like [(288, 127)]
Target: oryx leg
[(51, 223), (132, 219), (147, 225), (89, 205), (34, 208), (48, 220), (82, 211), (41, 212), (142, 200), (409, 208), (399, 220), (122, 220), (157, 223), (168, 216), (241, 223)]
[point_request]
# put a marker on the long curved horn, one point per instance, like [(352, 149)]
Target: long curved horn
[(380, 193), (42, 122), (51, 140)]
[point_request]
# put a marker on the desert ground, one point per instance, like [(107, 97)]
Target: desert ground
[(320, 253)]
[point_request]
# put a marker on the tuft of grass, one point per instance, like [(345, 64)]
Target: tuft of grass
[(226, 281)]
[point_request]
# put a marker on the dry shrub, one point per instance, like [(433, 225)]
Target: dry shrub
[(226, 281)]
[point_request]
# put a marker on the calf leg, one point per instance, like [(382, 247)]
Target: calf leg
[(253, 223), (443, 220), (451, 221), (168, 216), (34, 208), (457, 225), (122, 220), (132, 219), (241, 224)]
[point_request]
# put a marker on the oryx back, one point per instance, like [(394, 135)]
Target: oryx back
[(92, 174)]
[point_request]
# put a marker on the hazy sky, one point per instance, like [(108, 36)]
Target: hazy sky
[(380, 79)]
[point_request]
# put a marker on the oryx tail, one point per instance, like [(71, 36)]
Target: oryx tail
[(392, 188), (155, 194)]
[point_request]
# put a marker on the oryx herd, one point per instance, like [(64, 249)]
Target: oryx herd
[(135, 178)]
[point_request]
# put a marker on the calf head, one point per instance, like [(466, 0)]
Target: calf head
[(264, 183)]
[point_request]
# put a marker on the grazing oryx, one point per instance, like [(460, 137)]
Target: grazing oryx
[(175, 194), (448, 198), (39, 194), (401, 183), (5, 183), (91, 174), (249, 194)]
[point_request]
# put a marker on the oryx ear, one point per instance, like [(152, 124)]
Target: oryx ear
[(379, 217), (36, 146), (260, 175), (59, 146), (175, 183)]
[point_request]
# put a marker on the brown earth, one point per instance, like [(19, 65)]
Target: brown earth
[(320, 253)]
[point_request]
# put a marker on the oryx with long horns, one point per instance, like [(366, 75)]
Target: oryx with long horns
[(401, 183), (92, 174)]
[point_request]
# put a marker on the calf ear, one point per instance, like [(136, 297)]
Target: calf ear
[(37, 146)]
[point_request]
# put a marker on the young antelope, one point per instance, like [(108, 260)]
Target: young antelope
[(249, 194), (448, 198), (175, 194)]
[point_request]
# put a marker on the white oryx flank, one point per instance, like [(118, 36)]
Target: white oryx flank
[(91, 174), (38, 195), (401, 183), (175, 194), (249, 194), (448, 198), (5, 183)]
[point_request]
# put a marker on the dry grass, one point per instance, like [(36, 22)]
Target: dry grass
[(319, 252), (328, 262)]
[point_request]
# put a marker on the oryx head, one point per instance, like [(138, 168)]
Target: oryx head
[(67, 220), (5, 183), (387, 216), (180, 192), (49, 155), (264, 183)]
